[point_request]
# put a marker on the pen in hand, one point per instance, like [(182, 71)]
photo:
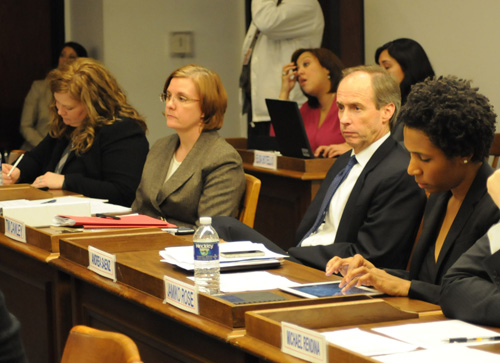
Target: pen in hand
[(471, 340), (15, 164)]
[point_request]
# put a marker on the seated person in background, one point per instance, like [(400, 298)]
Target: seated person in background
[(449, 129), (376, 211), (36, 109), (96, 145), (407, 62), (471, 287), (11, 345), (318, 72), (194, 172)]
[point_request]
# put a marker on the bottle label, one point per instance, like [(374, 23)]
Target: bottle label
[(206, 251)]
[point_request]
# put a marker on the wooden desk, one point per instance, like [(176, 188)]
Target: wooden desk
[(285, 193)]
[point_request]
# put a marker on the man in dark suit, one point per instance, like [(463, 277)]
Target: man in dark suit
[(471, 287), (377, 208)]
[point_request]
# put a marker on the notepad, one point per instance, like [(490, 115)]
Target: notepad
[(139, 220)]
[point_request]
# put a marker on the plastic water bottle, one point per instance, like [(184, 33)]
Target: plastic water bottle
[(206, 257)]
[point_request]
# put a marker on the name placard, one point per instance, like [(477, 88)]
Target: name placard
[(102, 263), (263, 159), (15, 229), (303, 343), (180, 294)]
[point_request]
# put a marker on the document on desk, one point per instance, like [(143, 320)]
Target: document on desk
[(449, 353), (438, 333), (252, 281), (367, 343), (183, 256)]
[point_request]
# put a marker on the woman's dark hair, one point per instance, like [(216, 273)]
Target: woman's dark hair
[(329, 61), (454, 116), (78, 48), (413, 61)]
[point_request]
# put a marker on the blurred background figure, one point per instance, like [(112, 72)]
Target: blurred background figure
[(278, 28), (35, 117), (407, 62), (96, 145), (194, 172), (318, 72)]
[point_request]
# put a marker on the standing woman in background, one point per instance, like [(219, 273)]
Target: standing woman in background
[(193, 172), (318, 72), (96, 145), (36, 114), (407, 62)]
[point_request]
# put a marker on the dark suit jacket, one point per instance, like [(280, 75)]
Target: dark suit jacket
[(471, 287), (476, 215), (209, 182), (111, 169), (381, 217)]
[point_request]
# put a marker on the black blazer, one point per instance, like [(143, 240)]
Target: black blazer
[(381, 217), (471, 287), (111, 169), (476, 215)]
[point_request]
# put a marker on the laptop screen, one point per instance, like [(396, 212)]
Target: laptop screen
[(289, 129)]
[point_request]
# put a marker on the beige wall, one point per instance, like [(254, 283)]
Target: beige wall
[(131, 37), (461, 37)]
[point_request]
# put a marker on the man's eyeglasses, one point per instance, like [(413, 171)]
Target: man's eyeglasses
[(178, 99)]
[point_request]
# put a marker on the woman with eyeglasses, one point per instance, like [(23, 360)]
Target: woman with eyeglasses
[(96, 145), (193, 172)]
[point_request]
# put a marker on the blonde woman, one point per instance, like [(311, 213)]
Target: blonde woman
[(193, 172), (96, 144)]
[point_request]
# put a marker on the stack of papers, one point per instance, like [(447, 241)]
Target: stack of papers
[(183, 256)]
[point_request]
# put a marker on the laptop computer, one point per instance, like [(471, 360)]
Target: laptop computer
[(289, 129)]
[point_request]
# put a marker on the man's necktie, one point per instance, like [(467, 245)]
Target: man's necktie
[(339, 178)]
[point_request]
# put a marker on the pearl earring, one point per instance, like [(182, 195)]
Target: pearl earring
[(328, 76), (465, 161)]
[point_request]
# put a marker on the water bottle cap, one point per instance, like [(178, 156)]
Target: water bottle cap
[(205, 220)]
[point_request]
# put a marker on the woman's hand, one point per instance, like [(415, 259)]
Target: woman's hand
[(331, 151), (49, 180), (288, 80), (378, 279), (14, 176), (345, 265), (493, 184)]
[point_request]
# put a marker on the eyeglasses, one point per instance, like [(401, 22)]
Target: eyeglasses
[(178, 99)]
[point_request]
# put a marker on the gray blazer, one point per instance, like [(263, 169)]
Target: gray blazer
[(209, 182)]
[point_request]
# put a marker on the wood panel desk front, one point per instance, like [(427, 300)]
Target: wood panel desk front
[(285, 193)]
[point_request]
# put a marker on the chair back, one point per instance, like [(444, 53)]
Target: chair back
[(86, 344), (495, 151), (250, 200)]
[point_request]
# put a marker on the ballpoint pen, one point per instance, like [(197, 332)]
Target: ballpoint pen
[(471, 340), (102, 215), (15, 164)]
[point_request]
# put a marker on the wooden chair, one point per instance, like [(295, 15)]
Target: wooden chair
[(495, 151), (250, 200), (87, 344)]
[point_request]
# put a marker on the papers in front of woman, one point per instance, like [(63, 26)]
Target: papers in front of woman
[(183, 256)]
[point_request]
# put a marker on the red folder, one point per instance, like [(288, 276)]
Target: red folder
[(139, 220)]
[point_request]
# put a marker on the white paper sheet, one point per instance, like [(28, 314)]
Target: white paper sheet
[(450, 353), (252, 281), (366, 343), (435, 334)]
